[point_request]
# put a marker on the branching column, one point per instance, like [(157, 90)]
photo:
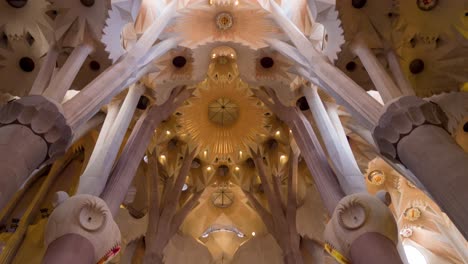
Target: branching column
[(324, 74), (281, 218), (316, 160), (164, 218), (60, 84), (122, 74), (95, 176), (346, 168), (413, 131), (45, 73), (132, 155), (379, 76)]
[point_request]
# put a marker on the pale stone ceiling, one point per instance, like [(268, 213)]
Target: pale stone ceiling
[(223, 54)]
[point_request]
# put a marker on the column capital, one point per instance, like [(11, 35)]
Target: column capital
[(43, 118), (354, 216), (87, 216), (401, 117)]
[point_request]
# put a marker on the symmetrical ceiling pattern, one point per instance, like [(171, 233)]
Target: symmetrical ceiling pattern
[(227, 53)]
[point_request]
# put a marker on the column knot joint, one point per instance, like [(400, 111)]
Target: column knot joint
[(401, 117)]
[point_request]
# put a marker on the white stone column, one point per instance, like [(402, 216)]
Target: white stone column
[(339, 151), (94, 122), (45, 73), (127, 71), (398, 74), (59, 85), (320, 69), (96, 173), (379, 76)]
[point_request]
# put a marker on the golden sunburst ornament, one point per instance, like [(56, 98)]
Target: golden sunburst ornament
[(245, 23), (222, 118)]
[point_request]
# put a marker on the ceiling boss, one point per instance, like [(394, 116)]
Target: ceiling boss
[(223, 116)]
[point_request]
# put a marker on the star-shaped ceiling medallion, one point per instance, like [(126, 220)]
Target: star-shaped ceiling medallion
[(223, 118), (223, 111)]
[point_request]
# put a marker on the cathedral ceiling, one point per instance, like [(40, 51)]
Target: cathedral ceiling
[(224, 54)]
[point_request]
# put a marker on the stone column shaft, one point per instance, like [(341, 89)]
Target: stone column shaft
[(63, 80), (32, 131), (374, 248), (379, 76), (414, 132), (398, 74), (45, 73), (441, 165), (346, 168), (70, 249), (84, 105), (95, 176), (339, 85), (93, 123), (316, 160), (130, 159)]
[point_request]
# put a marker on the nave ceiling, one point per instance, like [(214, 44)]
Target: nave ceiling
[(231, 54)]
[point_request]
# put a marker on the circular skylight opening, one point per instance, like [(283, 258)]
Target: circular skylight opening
[(414, 255)]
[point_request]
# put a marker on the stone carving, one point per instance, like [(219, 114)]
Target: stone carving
[(401, 117), (246, 24), (43, 117), (32, 131), (357, 215), (412, 214), (89, 217), (455, 106)]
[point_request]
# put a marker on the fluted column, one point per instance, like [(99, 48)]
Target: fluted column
[(45, 73), (346, 168), (414, 132), (93, 123), (95, 176), (379, 76), (124, 73), (323, 73), (60, 84), (398, 74), (128, 163), (307, 141), (135, 148)]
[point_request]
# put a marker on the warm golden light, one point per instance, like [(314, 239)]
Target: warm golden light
[(283, 159), (162, 159)]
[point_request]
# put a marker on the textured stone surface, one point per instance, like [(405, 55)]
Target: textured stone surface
[(43, 117), (89, 217), (401, 117), (356, 215), (32, 131)]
